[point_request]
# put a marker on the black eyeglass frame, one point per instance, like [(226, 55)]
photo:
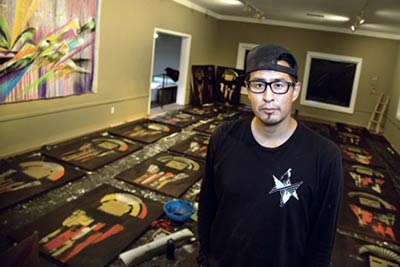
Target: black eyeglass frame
[(269, 84)]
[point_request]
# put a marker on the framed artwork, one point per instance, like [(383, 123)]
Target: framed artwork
[(195, 146), (26, 176), (144, 130), (229, 84), (361, 155), (47, 48), (91, 152), (165, 173), (331, 81), (371, 180), (177, 118), (203, 84), (370, 215), (208, 127), (351, 252), (93, 229)]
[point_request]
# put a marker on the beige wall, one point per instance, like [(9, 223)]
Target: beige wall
[(392, 125), (377, 55), (125, 51)]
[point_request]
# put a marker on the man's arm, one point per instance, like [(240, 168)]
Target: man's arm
[(207, 204), (325, 213)]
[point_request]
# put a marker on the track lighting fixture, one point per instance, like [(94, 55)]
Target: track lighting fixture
[(250, 8), (357, 21)]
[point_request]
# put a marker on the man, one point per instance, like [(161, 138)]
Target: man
[(272, 189)]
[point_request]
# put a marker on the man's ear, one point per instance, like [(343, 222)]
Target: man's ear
[(296, 91)]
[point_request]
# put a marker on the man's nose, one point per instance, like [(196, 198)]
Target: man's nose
[(268, 95)]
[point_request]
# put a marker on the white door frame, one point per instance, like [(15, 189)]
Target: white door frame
[(183, 65)]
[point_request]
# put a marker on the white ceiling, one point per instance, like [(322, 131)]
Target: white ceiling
[(382, 17)]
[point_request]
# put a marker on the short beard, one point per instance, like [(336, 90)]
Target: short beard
[(269, 123)]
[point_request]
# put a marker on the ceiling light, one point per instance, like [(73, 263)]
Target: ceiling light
[(327, 17), (359, 19), (336, 18), (231, 2), (258, 14), (247, 8)]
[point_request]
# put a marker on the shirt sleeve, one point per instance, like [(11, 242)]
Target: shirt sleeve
[(207, 202), (326, 211)]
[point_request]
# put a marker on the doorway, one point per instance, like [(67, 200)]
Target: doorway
[(169, 69)]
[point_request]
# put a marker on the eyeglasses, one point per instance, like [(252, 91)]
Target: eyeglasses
[(277, 87)]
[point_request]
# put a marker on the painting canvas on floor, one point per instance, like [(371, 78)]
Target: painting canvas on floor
[(206, 110), (370, 215), (352, 139), (358, 177), (230, 114), (352, 252), (144, 130), (208, 127), (321, 128), (93, 229), (91, 152), (195, 146), (26, 176), (359, 130), (166, 173), (361, 155), (177, 118), (47, 48)]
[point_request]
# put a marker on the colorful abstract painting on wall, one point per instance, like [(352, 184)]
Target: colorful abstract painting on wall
[(47, 48)]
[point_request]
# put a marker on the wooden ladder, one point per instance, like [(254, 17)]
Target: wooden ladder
[(375, 124)]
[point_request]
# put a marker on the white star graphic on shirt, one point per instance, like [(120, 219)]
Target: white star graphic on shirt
[(285, 187)]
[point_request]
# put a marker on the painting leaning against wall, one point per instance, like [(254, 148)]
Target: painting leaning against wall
[(47, 48)]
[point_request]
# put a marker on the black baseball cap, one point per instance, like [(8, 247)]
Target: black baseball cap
[(266, 57)]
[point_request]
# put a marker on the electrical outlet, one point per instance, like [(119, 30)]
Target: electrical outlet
[(112, 110)]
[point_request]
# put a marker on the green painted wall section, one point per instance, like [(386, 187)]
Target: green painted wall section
[(125, 54), (377, 60), (392, 124)]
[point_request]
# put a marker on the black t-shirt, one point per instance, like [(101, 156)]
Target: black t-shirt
[(269, 206)]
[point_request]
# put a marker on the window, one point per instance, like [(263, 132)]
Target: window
[(243, 49), (331, 81), (398, 110)]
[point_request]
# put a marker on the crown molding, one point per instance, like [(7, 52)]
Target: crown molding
[(287, 23), (198, 8)]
